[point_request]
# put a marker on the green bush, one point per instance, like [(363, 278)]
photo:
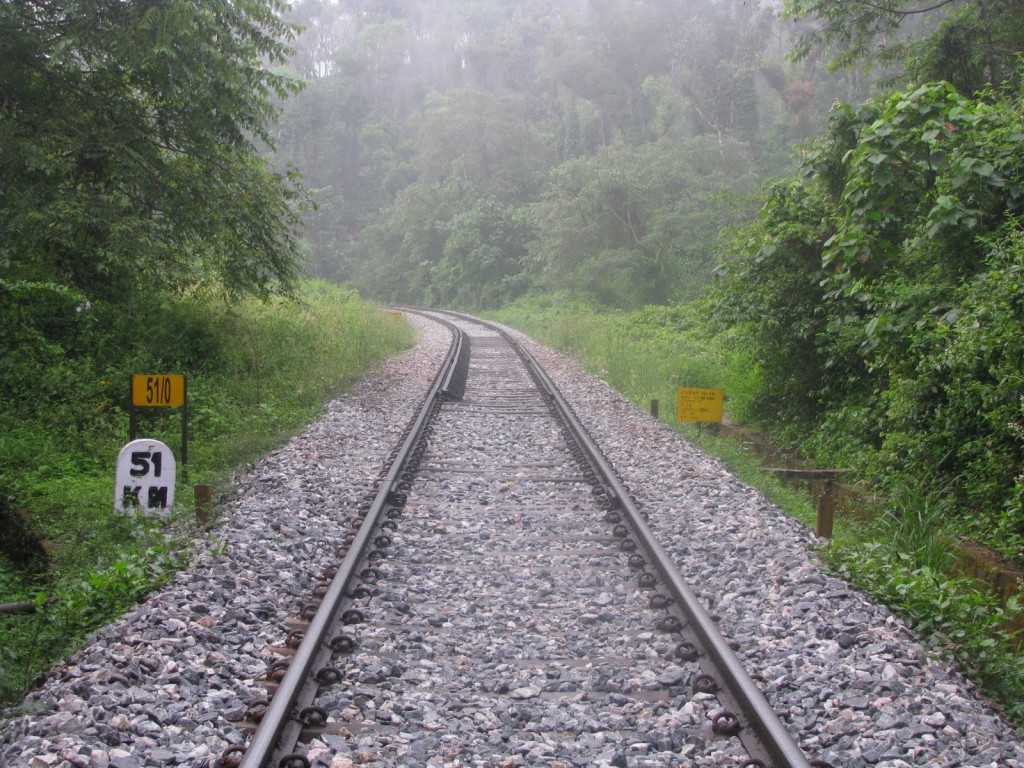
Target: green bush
[(881, 294), (646, 353), (963, 619)]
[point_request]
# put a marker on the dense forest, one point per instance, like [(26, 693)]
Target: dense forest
[(144, 229), (840, 184), (881, 286), (471, 151)]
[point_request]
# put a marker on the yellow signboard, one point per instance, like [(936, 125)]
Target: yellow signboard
[(166, 390), (695, 404)]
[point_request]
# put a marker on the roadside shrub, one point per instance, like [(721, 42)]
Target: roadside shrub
[(881, 293)]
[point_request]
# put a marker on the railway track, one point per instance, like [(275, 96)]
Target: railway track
[(524, 643), (502, 574)]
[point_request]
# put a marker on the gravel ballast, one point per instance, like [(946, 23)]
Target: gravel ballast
[(167, 683), (850, 678)]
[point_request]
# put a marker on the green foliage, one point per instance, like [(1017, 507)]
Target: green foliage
[(907, 564), (849, 32), (633, 225), (467, 152), (257, 372), (973, 44), (958, 408), (104, 594), (484, 249), (881, 292), (126, 147), (612, 226), (647, 353), (75, 607), (777, 300)]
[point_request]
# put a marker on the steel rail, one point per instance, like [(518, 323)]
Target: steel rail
[(770, 737), (278, 731)]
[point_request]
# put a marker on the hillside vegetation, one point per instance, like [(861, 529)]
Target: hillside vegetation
[(144, 230), (257, 372), (469, 152), (882, 294)]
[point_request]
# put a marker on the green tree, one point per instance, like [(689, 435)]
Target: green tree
[(324, 27), (431, 108), (880, 290), (635, 225), (484, 255), (717, 56), (481, 141), (128, 149), (455, 234), (972, 43), (401, 246)]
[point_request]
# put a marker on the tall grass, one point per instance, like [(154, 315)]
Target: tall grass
[(257, 373), (905, 558), (645, 354)]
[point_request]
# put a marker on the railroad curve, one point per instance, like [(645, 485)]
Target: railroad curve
[(497, 490), (171, 682)]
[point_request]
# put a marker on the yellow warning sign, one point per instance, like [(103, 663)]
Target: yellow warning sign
[(696, 404), (162, 390)]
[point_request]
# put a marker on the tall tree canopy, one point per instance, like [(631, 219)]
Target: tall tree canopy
[(449, 143), (882, 289), (128, 146), (973, 44)]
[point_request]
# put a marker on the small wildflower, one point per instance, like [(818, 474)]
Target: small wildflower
[(85, 306)]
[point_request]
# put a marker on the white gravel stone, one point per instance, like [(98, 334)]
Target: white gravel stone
[(839, 665), (167, 683)]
